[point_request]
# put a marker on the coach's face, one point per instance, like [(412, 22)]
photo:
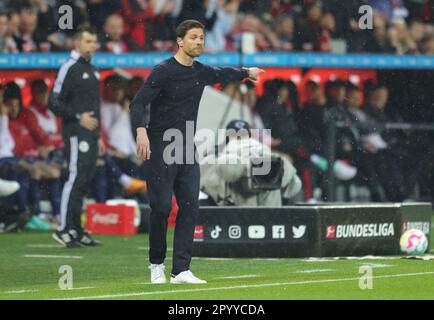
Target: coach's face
[(86, 45), (193, 42)]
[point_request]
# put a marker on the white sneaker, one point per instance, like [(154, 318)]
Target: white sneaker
[(8, 187), (186, 277), (157, 273)]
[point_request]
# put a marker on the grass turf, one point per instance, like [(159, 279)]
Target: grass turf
[(30, 262)]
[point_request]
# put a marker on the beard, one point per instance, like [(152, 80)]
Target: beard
[(195, 53)]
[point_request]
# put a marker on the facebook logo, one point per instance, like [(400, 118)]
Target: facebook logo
[(278, 232)]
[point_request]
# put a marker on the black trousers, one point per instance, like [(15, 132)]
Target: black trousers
[(164, 180), (82, 152)]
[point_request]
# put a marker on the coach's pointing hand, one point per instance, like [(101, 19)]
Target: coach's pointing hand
[(254, 73), (143, 148)]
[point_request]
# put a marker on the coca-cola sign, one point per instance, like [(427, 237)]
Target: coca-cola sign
[(110, 218)]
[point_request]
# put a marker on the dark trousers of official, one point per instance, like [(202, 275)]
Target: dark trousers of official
[(82, 152), (164, 180)]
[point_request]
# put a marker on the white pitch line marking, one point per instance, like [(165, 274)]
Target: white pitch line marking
[(279, 284), (314, 270), (18, 291), (212, 259), (376, 265), (245, 276), (44, 246), (80, 288), (49, 256), (147, 248)]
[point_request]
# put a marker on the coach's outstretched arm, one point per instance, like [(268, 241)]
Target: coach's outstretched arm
[(225, 74), (140, 115)]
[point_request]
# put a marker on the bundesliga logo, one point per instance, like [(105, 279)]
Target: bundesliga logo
[(360, 231)]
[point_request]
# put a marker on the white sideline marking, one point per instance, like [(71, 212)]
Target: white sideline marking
[(241, 276), (44, 246), (147, 248), (19, 291), (279, 284), (80, 288), (51, 256), (314, 270), (213, 259), (376, 265)]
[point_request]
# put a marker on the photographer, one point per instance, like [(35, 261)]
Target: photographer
[(229, 178)]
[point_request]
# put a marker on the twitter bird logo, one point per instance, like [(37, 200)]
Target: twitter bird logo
[(298, 232)]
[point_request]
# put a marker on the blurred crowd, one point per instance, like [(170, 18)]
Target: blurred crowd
[(398, 26), (32, 152), (390, 164)]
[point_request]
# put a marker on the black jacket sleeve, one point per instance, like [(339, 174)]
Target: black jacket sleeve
[(140, 114), (62, 90), (214, 75)]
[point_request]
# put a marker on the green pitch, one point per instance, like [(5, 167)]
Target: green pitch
[(30, 263)]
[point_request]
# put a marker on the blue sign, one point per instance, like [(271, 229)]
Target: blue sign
[(304, 60)]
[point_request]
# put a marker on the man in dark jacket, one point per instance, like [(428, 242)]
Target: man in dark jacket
[(76, 98)]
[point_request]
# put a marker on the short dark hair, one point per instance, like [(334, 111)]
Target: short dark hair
[(186, 25), (38, 85), (114, 81), (12, 91), (83, 29)]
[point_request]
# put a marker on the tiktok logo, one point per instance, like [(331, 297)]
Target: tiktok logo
[(215, 233)]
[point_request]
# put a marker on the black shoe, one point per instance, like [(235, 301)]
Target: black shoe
[(65, 239), (18, 224), (86, 240)]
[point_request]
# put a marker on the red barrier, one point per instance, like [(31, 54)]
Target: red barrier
[(109, 219)]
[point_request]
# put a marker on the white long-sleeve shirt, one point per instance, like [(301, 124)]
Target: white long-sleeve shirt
[(7, 143), (117, 125)]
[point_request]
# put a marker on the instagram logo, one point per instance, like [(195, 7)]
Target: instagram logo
[(234, 232)]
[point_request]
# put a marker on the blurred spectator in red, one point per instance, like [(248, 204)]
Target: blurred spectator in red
[(309, 32), (113, 39), (138, 15), (50, 124), (284, 7)]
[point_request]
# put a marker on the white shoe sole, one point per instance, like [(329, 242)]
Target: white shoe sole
[(185, 282), (57, 239), (159, 282)]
